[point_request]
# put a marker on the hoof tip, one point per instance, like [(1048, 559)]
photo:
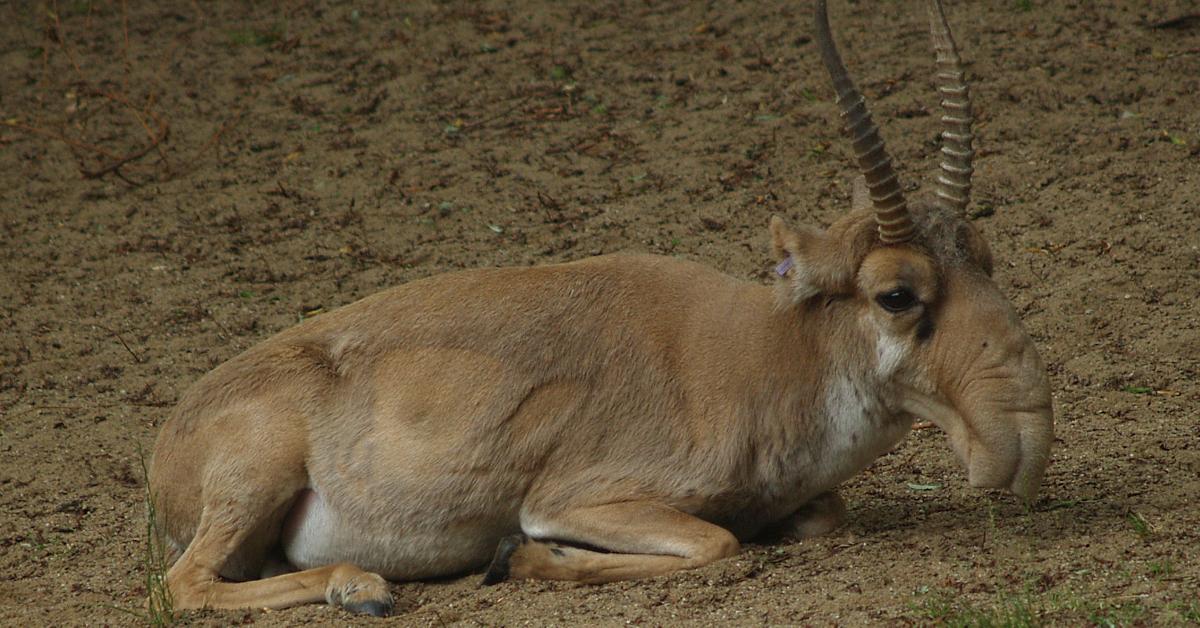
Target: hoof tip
[(498, 571)]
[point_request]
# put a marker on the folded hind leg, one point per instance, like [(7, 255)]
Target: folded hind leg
[(637, 540), (239, 521)]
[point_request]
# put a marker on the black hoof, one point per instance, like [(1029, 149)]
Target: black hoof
[(498, 571), (371, 607)]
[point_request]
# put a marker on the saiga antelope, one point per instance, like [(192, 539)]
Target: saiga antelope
[(612, 418)]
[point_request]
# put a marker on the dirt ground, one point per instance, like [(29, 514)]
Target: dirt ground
[(181, 180)]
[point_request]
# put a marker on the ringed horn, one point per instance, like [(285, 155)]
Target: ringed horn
[(953, 184)]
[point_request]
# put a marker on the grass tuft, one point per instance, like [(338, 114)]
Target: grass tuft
[(160, 607), (1028, 607), (944, 610), (1140, 524)]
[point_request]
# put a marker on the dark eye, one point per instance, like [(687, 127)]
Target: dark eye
[(896, 300)]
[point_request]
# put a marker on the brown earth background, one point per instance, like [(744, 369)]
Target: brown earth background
[(183, 179)]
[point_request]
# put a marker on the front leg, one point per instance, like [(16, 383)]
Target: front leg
[(638, 539), (820, 516)]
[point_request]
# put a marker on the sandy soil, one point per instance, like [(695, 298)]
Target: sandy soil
[(300, 155)]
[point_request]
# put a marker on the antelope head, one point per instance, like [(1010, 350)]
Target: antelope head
[(949, 345)]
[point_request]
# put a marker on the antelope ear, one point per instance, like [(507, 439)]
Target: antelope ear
[(784, 242), (808, 262)]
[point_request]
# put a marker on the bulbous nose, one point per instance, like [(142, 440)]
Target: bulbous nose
[(1017, 460), (1003, 393)]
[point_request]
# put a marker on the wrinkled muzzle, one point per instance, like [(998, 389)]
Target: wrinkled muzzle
[(1015, 460), (999, 421)]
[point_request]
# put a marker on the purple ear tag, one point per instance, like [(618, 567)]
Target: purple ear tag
[(784, 266)]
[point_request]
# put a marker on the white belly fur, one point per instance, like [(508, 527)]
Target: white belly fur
[(314, 535)]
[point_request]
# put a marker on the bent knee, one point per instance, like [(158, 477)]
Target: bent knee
[(721, 545), (819, 517), (190, 589)]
